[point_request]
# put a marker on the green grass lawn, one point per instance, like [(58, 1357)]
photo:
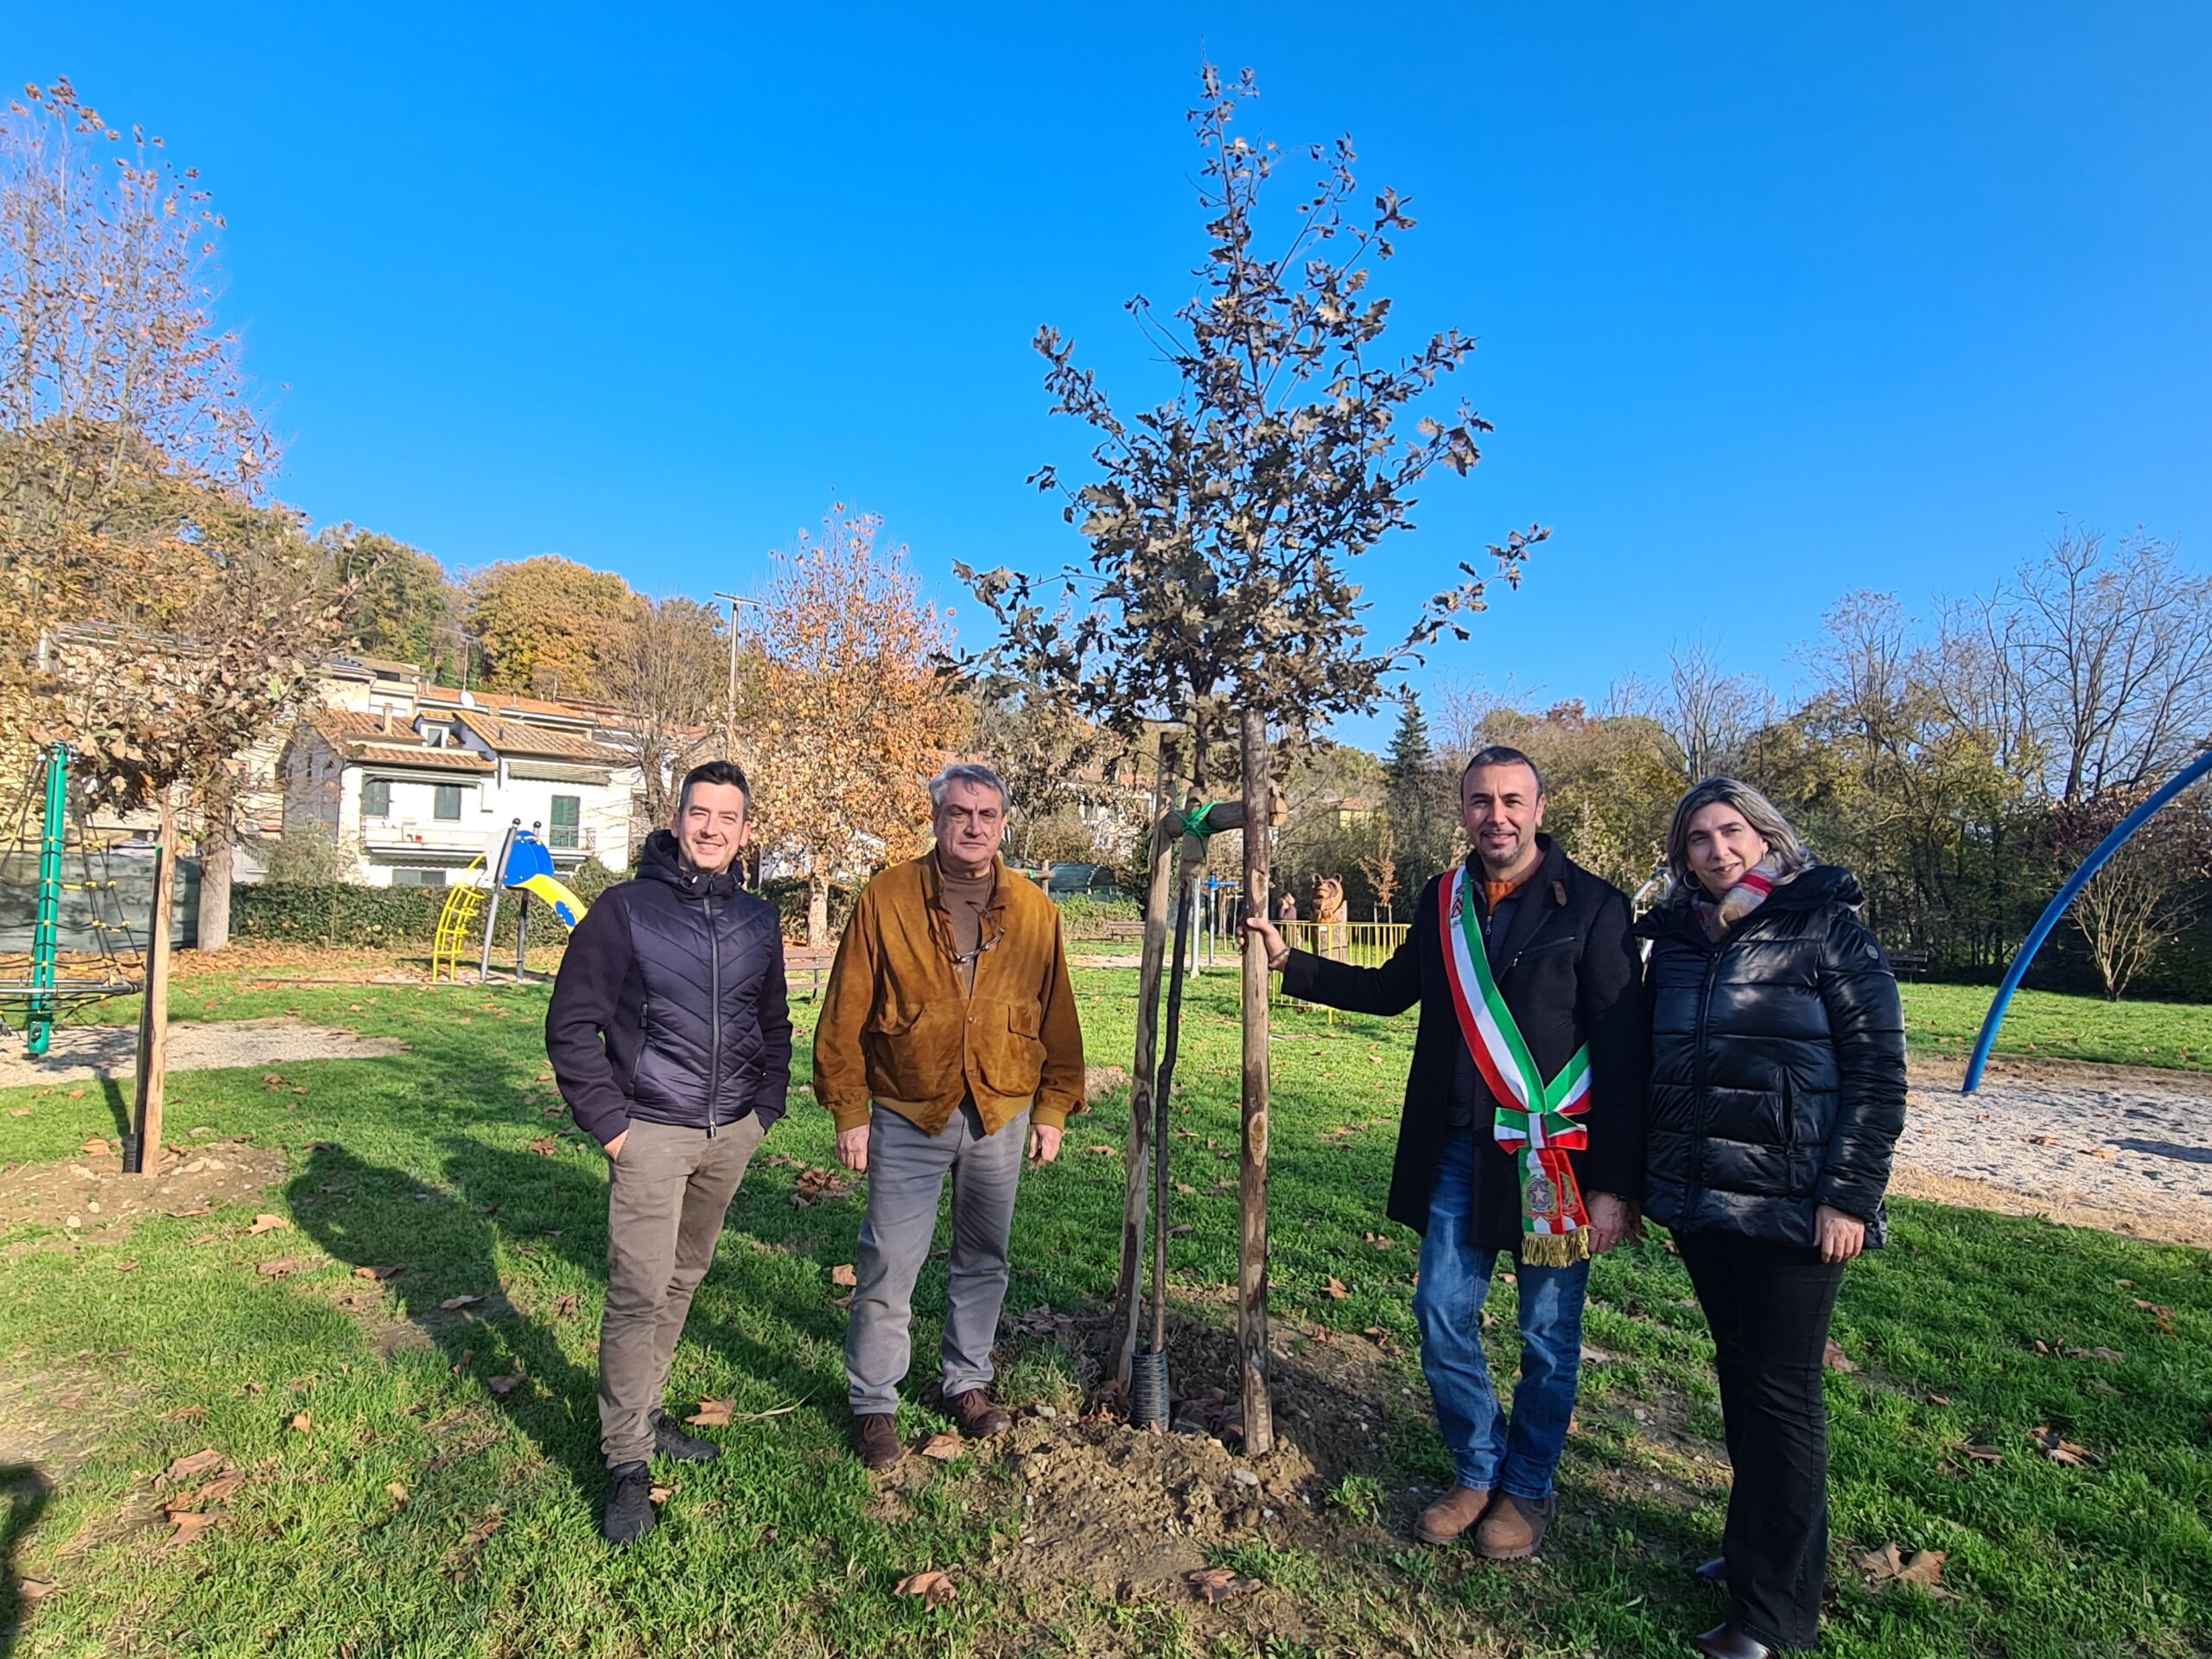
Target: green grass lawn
[(2043, 1024), (420, 1512)]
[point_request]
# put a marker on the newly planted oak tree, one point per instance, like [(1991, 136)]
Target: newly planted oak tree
[(1223, 522)]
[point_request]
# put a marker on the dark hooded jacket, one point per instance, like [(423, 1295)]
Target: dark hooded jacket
[(1567, 966), (670, 1005), (1777, 1065)]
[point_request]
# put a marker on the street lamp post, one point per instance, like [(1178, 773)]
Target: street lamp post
[(729, 700)]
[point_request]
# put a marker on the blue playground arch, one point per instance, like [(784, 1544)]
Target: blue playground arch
[(2056, 908)]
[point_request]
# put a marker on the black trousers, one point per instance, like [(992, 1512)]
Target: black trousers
[(1769, 1307)]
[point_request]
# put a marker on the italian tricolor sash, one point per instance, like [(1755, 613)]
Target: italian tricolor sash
[(1538, 1122)]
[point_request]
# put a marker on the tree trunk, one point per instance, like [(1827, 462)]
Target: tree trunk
[(1140, 1078), (1252, 1191), (217, 853), (153, 1019), (817, 910)]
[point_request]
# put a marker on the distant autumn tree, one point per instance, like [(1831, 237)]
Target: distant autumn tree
[(850, 708), (401, 604), (1223, 521), (668, 671), (549, 626), (2148, 892)]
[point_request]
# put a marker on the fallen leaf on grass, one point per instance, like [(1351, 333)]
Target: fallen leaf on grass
[(266, 1223), (302, 1421), (1187, 1189), (2060, 1450), (33, 1589), (1378, 1336), (481, 1531), (1215, 1584), (185, 1414), (20, 1111), (1101, 1148), (545, 1148), (504, 1386), (564, 1307), (1836, 1359), (662, 1494), (397, 1493), (94, 1147), (76, 1094), (1982, 1454), (933, 1587), (1889, 1565), (189, 1524), (217, 1491), (183, 1215), (1335, 1289), (1939, 1398), (468, 1358), (843, 1276), (454, 1304), (713, 1413), (283, 1268), (943, 1447), (844, 1301), (190, 1468), (126, 1267)]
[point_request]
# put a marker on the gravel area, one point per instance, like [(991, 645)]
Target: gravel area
[(95, 1053), (2099, 1146)]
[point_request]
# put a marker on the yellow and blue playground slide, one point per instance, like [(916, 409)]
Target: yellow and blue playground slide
[(530, 868)]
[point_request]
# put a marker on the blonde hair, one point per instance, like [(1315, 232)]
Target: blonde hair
[(1789, 853)]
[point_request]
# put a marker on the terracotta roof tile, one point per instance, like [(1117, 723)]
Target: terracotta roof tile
[(400, 754)]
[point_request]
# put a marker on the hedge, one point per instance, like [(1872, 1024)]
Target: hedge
[(362, 918)]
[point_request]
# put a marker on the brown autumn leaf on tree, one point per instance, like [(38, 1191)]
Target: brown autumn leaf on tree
[(850, 707), (934, 1587), (551, 627)]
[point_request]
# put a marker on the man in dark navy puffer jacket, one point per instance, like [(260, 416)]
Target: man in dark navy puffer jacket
[(672, 1037)]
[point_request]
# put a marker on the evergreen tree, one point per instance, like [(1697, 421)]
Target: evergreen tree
[(1420, 794)]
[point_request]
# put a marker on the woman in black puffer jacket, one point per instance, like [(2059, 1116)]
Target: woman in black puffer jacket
[(1778, 1093)]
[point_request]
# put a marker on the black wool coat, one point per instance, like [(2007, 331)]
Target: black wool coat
[(1568, 968), (671, 1004), (1777, 1065)]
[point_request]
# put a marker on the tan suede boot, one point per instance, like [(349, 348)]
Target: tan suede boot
[(1442, 1521), (1514, 1528)]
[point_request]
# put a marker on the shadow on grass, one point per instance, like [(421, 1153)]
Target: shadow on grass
[(543, 1196), (373, 1217), (27, 1493)]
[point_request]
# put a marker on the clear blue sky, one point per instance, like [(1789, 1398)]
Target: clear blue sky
[(1775, 302)]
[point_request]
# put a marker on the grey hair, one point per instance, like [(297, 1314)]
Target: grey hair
[(1788, 852), (969, 772)]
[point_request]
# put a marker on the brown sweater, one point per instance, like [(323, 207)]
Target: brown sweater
[(900, 1027)]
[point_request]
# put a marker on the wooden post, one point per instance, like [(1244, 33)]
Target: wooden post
[(1252, 1187), (1140, 1071), (154, 1016)]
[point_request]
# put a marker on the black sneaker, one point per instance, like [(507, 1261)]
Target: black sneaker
[(629, 1505), (670, 1441)]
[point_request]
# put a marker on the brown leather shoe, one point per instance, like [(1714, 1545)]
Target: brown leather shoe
[(875, 1440), (978, 1418), (1514, 1530), (1442, 1521)]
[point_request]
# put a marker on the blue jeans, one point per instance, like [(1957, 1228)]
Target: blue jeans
[(1455, 1283)]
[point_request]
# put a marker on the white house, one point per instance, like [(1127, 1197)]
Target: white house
[(418, 781)]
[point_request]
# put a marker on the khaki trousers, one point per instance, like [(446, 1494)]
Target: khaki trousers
[(666, 1197)]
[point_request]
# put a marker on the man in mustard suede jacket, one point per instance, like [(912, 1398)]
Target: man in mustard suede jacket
[(948, 1035)]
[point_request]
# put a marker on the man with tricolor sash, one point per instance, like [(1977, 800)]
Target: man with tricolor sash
[(1522, 1133)]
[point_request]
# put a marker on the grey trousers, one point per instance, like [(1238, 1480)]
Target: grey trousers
[(905, 1178), (666, 1197)]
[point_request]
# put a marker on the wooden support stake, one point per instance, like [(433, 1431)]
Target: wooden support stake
[(1140, 1073), (1252, 1187), (154, 1016)]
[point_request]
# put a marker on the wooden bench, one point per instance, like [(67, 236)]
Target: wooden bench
[(1115, 929), (812, 961), (1909, 962)]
